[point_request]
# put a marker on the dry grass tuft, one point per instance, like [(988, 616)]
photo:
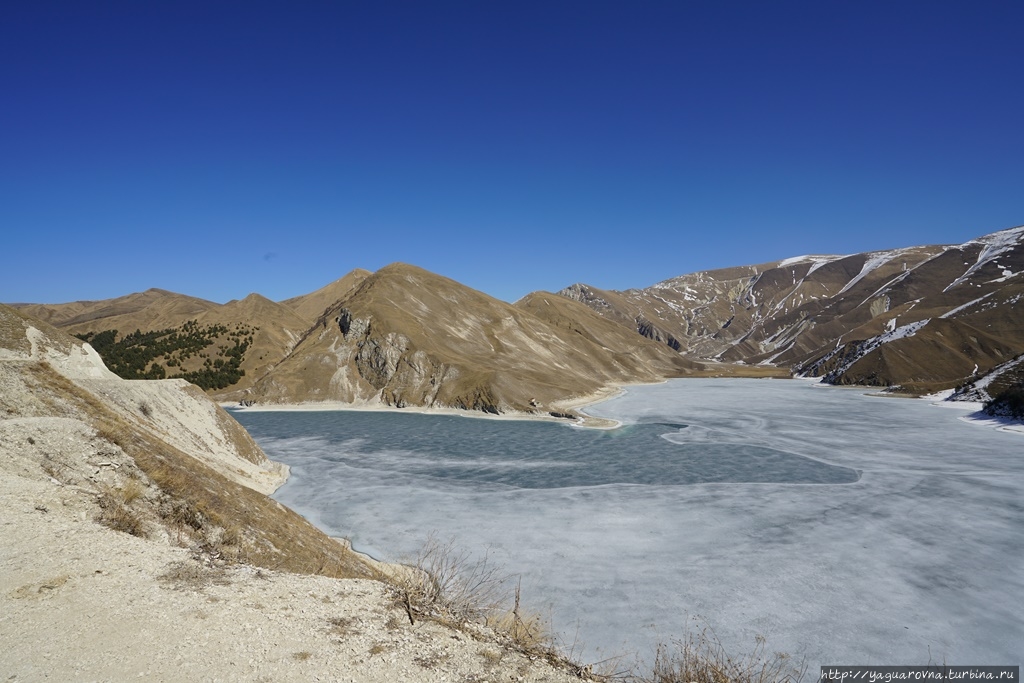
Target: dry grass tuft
[(116, 514), (131, 491), (492, 657), (430, 661), (529, 632), (701, 658), (120, 518), (302, 656)]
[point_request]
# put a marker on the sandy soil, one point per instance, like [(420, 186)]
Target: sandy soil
[(81, 602)]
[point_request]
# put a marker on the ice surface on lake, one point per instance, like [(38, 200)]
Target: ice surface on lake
[(845, 528)]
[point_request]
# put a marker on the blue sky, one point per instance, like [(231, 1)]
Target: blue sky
[(220, 148)]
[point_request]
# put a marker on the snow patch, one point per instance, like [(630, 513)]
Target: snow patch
[(995, 245), (874, 261), (816, 260), (864, 348), (967, 305)]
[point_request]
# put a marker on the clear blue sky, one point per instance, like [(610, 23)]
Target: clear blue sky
[(218, 148)]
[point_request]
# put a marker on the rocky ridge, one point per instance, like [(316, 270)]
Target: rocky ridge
[(920, 319)]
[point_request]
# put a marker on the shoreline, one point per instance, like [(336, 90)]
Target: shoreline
[(578, 403), (973, 414)]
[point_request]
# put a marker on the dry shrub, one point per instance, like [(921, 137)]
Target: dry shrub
[(116, 513), (448, 584), (120, 518), (701, 658)]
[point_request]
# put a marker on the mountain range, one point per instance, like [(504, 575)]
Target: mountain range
[(913, 320)]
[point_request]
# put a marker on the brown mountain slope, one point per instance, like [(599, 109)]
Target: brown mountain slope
[(311, 306), (275, 327), (267, 329), (806, 312), (405, 336), (153, 309), (634, 353)]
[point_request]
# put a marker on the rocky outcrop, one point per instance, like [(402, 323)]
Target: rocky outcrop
[(377, 358), (648, 329), (352, 327)]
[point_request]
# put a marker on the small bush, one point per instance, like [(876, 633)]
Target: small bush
[(701, 658), (449, 586), (447, 583)]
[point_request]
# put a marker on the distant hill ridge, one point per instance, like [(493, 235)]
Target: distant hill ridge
[(917, 319)]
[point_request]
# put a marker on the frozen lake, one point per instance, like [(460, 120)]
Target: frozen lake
[(845, 528)]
